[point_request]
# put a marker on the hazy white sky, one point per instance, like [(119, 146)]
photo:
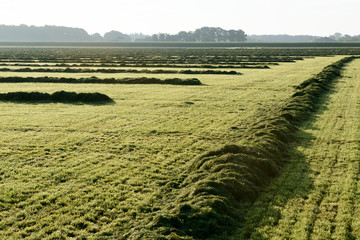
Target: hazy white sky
[(313, 17)]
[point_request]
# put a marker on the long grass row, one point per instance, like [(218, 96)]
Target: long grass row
[(43, 64), (218, 184), (87, 70), (141, 80), (259, 65), (163, 60), (166, 55), (56, 97)]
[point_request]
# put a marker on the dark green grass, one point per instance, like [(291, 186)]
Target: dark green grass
[(251, 65), (81, 70), (57, 97), (142, 80)]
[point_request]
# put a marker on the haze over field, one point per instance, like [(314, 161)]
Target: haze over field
[(294, 17)]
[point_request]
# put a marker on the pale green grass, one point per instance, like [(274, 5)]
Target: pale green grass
[(80, 170), (317, 194)]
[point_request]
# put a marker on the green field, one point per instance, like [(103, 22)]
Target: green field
[(317, 195), (155, 164)]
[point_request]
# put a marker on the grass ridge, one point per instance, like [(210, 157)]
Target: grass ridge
[(106, 70), (57, 97), (218, 183), (141, 80)]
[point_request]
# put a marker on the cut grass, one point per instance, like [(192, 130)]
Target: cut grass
[(291, 73), (143, 80), (218, 182), (317, 195), (99, 171), (57, 97), (112, 70)]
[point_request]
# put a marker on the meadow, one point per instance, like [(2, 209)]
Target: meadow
[(316, 195), (167, 161)]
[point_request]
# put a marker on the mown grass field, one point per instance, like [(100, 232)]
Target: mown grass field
[(124, 170), (317, 194)]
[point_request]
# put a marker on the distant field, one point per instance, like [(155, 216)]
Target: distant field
[(136, 169)]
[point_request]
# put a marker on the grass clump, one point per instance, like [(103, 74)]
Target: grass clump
[(59, 96), (219, 183)]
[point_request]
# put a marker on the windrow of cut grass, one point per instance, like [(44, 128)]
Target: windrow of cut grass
[(255, 65), (141, 80), (218, 184), (56, 97), (148, 57), (168, 55), (107, 70)]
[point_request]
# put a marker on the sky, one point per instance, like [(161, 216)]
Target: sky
[(294, 17)]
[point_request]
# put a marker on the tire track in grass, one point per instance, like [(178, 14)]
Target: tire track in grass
[(317, 194)]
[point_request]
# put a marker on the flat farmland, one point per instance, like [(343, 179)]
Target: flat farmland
[(136, 168), (316, 196)]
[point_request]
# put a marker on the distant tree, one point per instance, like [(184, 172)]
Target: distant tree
[(336, 36), (45, 33), (325, 39), (161, 37), (96, 37), (182, 36), (116, 36), (155, 37), (139, 37), (348, 38), (205, 34), (240, 36)]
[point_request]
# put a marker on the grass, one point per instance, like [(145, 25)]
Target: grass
[(112, 70), (113, 170), (95, 80), (316, 196), (219, 181), (57, 97), (250, 75)]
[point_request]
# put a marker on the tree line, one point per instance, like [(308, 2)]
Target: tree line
[(57, 33), (204, 34)]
